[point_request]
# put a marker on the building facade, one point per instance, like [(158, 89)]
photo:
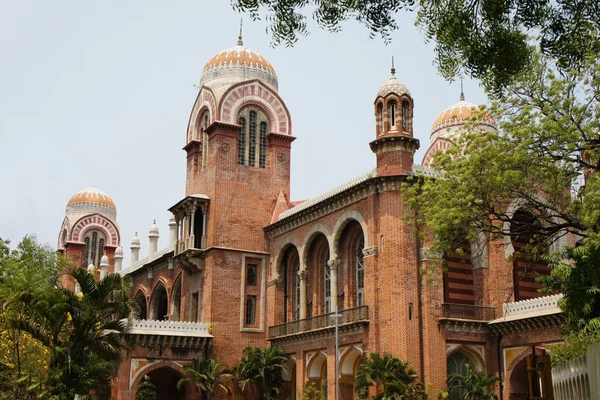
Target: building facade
[(246, 265)]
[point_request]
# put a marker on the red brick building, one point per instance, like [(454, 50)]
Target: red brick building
[(248, 266)]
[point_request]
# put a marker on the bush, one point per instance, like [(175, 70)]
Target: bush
[(575, 345)]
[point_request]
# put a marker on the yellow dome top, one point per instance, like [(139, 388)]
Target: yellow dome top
[(459, 114)]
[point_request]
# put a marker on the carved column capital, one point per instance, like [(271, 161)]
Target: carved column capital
[(302, 274), (334, 264)]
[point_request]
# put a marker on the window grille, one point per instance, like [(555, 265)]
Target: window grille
[(94, 248), (297, 298), (86, 252), (263, 145), (242, 142), (251, 275), (327, 272), (250, 310), (252, 138), (360, 272)]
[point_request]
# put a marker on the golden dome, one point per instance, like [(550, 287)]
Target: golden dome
[(239, 55), (239, 62), (91, 196), (459, 114)]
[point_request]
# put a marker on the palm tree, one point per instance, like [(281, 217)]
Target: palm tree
[(207, 374), (261, 367), (472, 385), (83, 332), (393, 379)]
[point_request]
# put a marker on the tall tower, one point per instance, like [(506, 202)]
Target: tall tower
[(238, 148), (89, 230), (394, 144)]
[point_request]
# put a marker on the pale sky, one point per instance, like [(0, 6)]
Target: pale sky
[(99, 93)]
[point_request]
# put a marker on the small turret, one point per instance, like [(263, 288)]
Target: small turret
[(103, 266), (118, 258), (153, 238), (135, 248)]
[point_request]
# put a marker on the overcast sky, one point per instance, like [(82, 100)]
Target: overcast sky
[(99, 93)]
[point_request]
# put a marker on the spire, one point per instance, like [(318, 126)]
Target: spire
[(240, 42), (393, 69), (462, 93)]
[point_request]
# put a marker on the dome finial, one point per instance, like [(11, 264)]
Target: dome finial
[(393, 70), (462, 93), (240, 42)]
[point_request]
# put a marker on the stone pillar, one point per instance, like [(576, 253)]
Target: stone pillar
[(204, 208), (333, 268), (172, 231), (302, 276)]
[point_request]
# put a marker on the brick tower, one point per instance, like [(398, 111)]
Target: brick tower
[(89, 231), (394, 144), (238, 166)]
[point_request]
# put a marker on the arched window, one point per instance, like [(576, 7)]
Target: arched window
[(242, 142), (251, 275), (263, 145), (297, 292), (405, 116), (140, 301), (380, 118), (392, 113), (253, 122), (205, 141), (327, 288), (250, 310), (159, 304), (252, 138), (176, 302), (457, 364), (360, 272), (93, 249)]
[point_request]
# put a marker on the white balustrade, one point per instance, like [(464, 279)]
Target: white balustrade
[(169, 328), (539, 304)]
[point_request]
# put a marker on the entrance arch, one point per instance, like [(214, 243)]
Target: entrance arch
[(165, 376)]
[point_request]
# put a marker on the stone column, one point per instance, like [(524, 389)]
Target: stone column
[(204, 209), (172, 231), (302, 276), (333, 269)]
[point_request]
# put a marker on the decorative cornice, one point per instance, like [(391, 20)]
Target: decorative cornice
[(464, 325), (394, 143), (332, 201)]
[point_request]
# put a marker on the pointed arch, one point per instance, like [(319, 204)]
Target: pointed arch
[(343, 220), (159, 303), (205, 100), (259, 95)]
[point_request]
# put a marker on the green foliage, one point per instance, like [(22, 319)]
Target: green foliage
[(29, 270), (547, 122), (62, 343), (207, 374), (473, 385), (578, 279), (575, 345), (146, 390), (310, 392), (260, 369), (488, 40), (392, 378)]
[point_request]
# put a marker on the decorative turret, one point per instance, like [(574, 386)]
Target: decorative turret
[(118, 258), (135, 248), (153, 238), (103, 266), (395, 144)]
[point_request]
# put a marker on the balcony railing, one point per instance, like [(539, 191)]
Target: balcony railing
[(349, 316), (469, 312)]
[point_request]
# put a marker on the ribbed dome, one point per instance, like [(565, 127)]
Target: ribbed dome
[(89, 201), (459, 114), (239, 62), (393, 85)]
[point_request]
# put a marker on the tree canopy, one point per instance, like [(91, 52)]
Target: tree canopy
[(548, 139), (489, 40), (60, 343)]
